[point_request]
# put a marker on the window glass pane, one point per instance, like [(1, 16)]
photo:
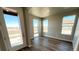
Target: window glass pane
[(69, 19), (67, 24), (35, 24), (13, 29), (45, 26), (35, 27)]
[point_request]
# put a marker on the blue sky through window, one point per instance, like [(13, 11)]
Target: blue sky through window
[(71, 18), (35, 22), (11, 21)]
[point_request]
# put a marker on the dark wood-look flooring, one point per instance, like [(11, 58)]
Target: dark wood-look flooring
[(49, 44)]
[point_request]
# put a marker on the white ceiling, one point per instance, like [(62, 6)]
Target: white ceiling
[(39, 11), (46, 11)]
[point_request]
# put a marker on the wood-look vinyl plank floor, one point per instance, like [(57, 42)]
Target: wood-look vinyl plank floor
[(48, 44)]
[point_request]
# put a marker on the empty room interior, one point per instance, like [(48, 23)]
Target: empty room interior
[(39, 29)]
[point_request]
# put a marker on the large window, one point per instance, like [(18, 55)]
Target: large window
[(67, 24), (13, 29), (45, 25)]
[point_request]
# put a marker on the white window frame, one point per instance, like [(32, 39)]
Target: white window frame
[(67, 25)]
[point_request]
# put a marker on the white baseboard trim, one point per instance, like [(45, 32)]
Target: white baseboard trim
[(58, 38)]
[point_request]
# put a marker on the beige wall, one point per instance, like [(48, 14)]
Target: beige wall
[(31, 17), (2, 45), (76, 37), (55, 26), (2, 37)]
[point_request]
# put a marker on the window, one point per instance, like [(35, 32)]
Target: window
[(35, 27), (67, 24), (45, 25), (13, 29)]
